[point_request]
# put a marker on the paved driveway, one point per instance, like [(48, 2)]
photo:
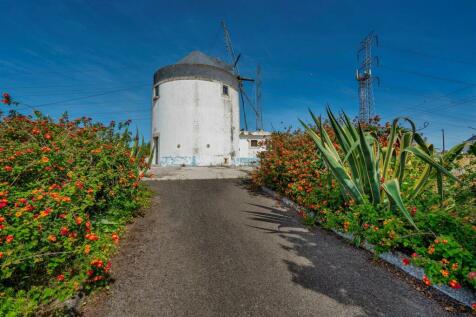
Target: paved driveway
[(214, 248)]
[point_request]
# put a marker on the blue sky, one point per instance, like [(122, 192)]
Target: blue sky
[(96, 58)]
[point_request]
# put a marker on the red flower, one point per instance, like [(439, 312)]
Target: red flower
[(406, 261), (60, 278), (47, 136), (9, 239), (454, 284), (414, 255), (2, 219), (108, 266), (426, 280), (1, 255), (79, 220), (64, 231), (6, 99), (8, 168), (471, 275)]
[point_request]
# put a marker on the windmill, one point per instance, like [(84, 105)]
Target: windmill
[(255, 106)]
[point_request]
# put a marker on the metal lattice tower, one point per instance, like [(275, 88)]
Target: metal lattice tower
[(259, 111), (365, 78)]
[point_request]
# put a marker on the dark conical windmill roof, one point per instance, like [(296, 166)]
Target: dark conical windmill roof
[(199, 58)]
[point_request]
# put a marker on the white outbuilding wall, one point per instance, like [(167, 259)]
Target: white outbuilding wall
[(195, 123), (251, 144)]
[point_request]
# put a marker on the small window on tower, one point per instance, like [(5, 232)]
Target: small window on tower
[(156, 92), (254, 143), (225, 90)]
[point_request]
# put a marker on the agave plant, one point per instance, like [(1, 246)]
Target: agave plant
[(366, 170)]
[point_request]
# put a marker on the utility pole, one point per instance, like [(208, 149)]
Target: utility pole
[(365, 78), (443, 136)]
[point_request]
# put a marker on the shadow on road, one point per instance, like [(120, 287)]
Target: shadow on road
[(334, 268)]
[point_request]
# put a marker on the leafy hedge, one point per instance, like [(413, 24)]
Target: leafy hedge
[(445, 246), (66, 190)]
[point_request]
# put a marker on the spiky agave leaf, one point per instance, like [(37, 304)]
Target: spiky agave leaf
[(392, 188), (334, 165)]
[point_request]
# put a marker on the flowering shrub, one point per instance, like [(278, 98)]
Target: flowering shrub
[(445, 245), (66, 190)]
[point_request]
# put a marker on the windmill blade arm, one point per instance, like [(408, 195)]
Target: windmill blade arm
[(249, 101), (245, 79)]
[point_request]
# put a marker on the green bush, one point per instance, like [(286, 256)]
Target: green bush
[(66, 190)]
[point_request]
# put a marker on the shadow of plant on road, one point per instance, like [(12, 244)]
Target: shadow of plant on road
[(330, 266)]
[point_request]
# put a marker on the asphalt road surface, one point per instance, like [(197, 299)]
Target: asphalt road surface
[(214, 248)]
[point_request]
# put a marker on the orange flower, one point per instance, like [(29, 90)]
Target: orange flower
[(1, 255), (97, 263), (431, 250), (455, 266), (91, 236), (44, 159), (445, 273), (79, 220), (87, 249), (444, 261), (52, 238), (115, 238)]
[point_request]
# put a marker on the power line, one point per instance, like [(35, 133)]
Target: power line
[(436, 98), (86, 97), (417, 73), (447, 115), (70, 85), (415, 52)]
